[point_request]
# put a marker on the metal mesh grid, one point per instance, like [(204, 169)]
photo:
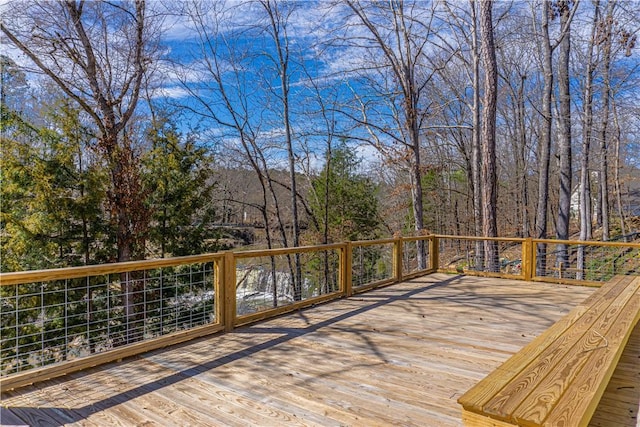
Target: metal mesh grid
[(586, 262), (58, 320), (266, 282), (371, 263), (459, 255), (410, 255)]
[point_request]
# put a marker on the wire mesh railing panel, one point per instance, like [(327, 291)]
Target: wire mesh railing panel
[(53, 316), (415, 255), (60, 320), (460, 255), (269, 281), (585, 262), (371, 263)]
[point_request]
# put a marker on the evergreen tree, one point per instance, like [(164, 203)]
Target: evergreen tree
[(52, 193), (351, 208), (179, 183)]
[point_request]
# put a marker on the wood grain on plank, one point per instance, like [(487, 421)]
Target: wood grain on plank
[(607, 332), (580, 402), (532, 392), (476, 399), (8, 418)]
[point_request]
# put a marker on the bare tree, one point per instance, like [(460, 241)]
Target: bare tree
[(606, 38), (474, 160), (514, 72), (544, 147), (617, 37), (230, 102), (74, 44), (563, 9), (278, 14), (397, 37), (488, 137), (616, 169), (544, 155), (324, 104), (587, 129)]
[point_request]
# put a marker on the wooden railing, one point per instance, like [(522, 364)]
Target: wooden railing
[(59, 321), (469, 255), (555, 261)]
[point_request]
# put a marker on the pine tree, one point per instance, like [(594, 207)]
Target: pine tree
[(178, 180), (351, 211), (52, 192)]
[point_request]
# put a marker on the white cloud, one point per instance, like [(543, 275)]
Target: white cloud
[(10, 50), (177, 28), (174, 74), (172, 92), (221, 15)]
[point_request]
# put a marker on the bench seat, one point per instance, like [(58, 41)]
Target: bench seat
[(559, 378)]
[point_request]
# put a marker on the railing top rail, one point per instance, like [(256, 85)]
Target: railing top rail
[(284, 251), (20, 277), (373, 242), (495, 239), (416, 238), (587, 243), (15, 278)]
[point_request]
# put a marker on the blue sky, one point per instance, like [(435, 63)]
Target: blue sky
[(250, 77), (339, 66)]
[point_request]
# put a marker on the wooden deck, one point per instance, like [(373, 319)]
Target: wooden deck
[(400, 355)]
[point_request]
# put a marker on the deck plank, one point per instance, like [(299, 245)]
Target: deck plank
[(594, 380), (399, 355), (560, 363), (620, 403)]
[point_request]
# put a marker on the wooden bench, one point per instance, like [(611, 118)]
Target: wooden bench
[(559, 378)]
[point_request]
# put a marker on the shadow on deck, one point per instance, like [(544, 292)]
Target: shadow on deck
[(397, 355)]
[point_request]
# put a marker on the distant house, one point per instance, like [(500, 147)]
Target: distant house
[(630, 189), (575, 197)]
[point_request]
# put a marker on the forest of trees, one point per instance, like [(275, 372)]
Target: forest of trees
[(135, 129)]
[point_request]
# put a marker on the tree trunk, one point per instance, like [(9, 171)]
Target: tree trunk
[(564, 148), (522, 160), (476, 156), (402, 63), (616, 172), (278, 32), (418, 210), (587, 128), (604, 146), (412, 125), (265, 218), (267, 231), (545, 145), (489, 181)]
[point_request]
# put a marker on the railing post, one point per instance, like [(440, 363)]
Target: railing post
[(346, 270), (229, 292), (534, 259), (397, 258), (527, 259), (434, 253), (218, 290)]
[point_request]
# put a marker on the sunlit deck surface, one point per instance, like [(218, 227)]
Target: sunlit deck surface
[(399, 355)]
